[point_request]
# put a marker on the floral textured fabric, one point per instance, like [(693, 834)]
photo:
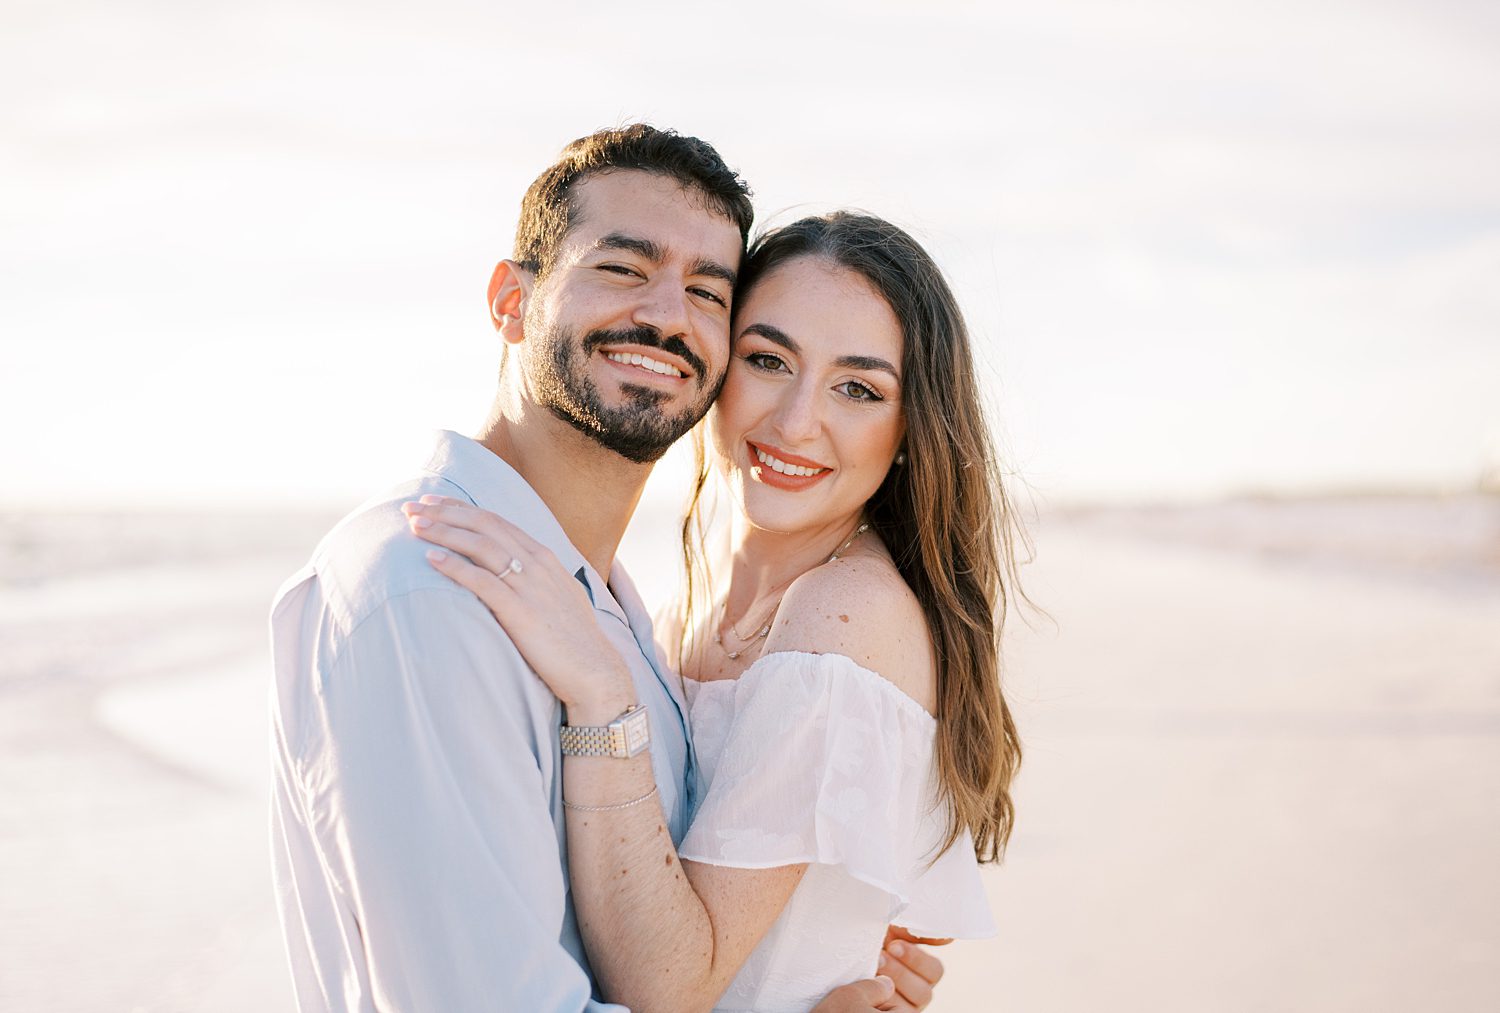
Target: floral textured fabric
[(812, 758)]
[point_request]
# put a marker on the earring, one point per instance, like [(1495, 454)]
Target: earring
[(901, 457)]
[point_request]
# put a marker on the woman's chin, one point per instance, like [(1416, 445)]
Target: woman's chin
[(771, 510), (764, 513)]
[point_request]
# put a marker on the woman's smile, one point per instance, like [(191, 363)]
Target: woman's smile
[(782, 470)]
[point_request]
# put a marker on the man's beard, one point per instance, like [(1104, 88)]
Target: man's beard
[(637, 430)]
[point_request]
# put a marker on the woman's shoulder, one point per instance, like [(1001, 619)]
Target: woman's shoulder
[(860, 607)]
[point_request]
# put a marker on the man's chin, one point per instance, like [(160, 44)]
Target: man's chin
[(641, 434)]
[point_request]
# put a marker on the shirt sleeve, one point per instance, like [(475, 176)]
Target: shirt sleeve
[(430, 793), (827, 762)]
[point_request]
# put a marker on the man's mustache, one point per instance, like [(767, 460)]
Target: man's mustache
[(651, 338)]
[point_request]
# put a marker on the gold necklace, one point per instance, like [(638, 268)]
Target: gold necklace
[(765, 628)]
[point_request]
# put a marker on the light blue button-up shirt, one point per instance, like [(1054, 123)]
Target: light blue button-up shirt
[(417, 821)]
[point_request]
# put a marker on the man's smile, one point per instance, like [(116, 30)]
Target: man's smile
[(643, 362)]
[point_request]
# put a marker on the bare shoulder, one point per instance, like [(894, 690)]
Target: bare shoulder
[(859, 606)]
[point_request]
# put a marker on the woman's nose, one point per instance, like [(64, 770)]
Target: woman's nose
[(798, 419)]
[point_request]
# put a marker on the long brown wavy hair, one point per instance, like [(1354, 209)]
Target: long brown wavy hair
[(943, 514)]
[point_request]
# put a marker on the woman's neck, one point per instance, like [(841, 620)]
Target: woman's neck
[(763, 564)]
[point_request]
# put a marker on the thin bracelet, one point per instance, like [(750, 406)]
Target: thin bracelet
[(608, 808)]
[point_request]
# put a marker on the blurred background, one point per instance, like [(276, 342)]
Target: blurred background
[(1231, 271)]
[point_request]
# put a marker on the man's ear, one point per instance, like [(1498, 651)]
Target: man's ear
[(510, 287)]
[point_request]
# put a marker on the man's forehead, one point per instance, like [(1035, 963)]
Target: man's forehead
[(660, 209)]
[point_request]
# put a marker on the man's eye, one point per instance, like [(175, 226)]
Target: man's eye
[(620, 269), (710, 294)]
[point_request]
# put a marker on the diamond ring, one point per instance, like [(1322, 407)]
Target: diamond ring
[(514, 567)]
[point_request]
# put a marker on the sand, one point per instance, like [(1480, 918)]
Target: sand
[(1262, 772)]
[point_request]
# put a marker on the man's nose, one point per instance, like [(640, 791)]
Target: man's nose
[(664, 307)]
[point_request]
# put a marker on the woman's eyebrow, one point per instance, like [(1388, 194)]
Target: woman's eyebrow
[(867, 362), (775, 335)]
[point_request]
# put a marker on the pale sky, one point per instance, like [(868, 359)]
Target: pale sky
[(1204, 247)]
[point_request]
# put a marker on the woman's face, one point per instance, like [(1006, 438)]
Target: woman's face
[(810, 416)]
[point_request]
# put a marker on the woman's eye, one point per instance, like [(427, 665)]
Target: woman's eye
[(856, 391), (765, 361)]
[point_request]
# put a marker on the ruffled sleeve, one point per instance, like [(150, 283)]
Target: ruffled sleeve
[(827, 762)]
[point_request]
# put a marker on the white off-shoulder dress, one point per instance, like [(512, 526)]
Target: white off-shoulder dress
[(812, 758)]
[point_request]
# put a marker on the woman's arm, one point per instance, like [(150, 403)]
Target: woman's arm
[(661, 934)]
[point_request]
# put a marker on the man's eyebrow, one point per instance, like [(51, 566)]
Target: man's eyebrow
[(714, 269), (653, 252), (633, 244)]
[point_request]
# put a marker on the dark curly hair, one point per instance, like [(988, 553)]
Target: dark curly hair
[(547, 210)]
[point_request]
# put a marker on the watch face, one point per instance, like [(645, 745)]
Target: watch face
[(637, 732)]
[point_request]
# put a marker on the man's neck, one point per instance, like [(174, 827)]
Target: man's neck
[(592, 491)]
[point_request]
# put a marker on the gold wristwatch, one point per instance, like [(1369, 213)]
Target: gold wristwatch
[(626, 736)]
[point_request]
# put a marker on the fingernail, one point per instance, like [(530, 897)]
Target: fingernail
[(436, 555), (429, 498), (890, 986), (421, 522), (898, 948), (411, 508), (884, 960)]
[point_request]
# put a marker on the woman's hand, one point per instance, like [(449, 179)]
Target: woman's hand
[(914, 971), (543, 608), (873, 995)]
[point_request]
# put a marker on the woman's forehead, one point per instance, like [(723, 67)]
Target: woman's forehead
[(824, 308)]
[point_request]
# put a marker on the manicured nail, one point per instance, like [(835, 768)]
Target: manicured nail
[(409, 508), (883, 961), (421, 522), (436, 555), (897, 949), (432, 500), (890, 986)]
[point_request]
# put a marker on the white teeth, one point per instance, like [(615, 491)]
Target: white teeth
[(781, 467), (645, 362)]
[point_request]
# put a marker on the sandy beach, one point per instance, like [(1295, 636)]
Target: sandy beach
[(1262, 770)]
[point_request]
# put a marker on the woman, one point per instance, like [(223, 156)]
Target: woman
[(854, 752)]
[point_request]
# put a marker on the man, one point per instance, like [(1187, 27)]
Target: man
[(418, 828)]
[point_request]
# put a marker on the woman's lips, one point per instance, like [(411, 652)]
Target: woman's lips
[(794, 474)]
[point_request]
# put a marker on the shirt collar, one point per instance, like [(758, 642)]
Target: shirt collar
[(493, 484), (487, 479)]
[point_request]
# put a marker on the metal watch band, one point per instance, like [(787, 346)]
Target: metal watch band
[(624, 737)]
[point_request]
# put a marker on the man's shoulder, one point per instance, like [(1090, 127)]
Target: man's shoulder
[(371, 561), (369, 621)]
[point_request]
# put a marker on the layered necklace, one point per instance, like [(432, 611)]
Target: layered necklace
[(763, 629)]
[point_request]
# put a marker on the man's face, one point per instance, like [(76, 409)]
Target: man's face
[(627, 337)]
